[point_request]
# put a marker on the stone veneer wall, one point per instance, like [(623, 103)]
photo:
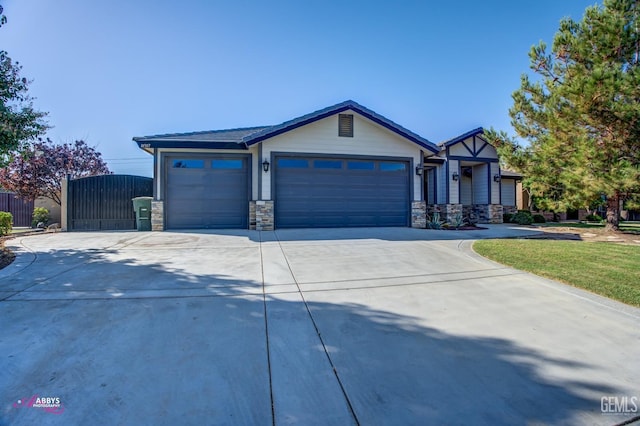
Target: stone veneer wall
[(447, 211), (489, 213), (419, 214), (157, 215), (510, 209), (264, 216), (252, 215)]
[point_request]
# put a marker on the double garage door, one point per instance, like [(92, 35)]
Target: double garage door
[(341, 192), (213, 192), (207, 192)]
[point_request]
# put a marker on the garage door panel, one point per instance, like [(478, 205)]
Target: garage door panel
[(213, 193), (359, 193)]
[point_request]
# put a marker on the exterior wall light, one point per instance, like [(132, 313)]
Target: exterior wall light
[(496, 178), (265, 165), (419, 169), (455, 176)]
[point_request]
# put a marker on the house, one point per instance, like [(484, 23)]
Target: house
[(341, 166)]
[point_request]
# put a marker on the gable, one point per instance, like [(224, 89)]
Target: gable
[(322, 136), (472, 147)]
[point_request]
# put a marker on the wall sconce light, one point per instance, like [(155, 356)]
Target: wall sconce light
[(496, 178), (419, 169), (455, 176), (265, 165)]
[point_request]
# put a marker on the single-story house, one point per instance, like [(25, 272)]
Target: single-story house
[(341, 166)]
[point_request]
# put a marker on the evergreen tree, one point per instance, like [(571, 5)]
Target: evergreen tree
[(20, 123), (580, 113)]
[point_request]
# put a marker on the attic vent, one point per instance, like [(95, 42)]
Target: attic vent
[(345, 125)]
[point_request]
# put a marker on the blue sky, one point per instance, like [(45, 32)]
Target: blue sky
[(110, 70)]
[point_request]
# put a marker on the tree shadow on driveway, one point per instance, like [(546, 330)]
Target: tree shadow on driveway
[(161, 344)]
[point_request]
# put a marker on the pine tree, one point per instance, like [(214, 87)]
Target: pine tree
[(580, 113)]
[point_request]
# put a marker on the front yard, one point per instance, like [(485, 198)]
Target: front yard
[(611, 270)]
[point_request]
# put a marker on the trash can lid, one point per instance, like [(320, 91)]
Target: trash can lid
[(142, 198)]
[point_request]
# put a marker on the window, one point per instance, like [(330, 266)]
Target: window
[(188, 164), (226, 164), (345, 125), (393, 167), (360, 165), (327, 164), (293, 163)]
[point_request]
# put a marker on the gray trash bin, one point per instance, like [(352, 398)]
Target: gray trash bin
[(142, 207)]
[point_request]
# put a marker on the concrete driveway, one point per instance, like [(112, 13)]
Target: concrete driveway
[(338, 326)]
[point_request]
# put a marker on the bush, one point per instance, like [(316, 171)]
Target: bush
[(538, 218), (593, 218), (523, 217), (6, 222), (507, 217), (40, 215), (434, 222)]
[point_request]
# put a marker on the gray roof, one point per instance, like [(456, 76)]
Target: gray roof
[(462, 137), (245, 137), (226, 135), (508, 174)]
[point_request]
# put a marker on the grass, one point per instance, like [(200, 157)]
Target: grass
[(630, 227), (610, 270)]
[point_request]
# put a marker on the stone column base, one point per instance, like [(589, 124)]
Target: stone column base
[(419, 214), (264, 216), (489, 213), (447, 211), (252, 215), (157, 215)]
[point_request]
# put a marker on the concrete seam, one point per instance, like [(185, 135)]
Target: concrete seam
[(266, 333), (315, 326)]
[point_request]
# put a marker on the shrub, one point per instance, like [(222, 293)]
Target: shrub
[(40, 215), (523, 217), (507, 217), (538, 218), (457, 221), (593, 218), (434, 222), (6, 222)]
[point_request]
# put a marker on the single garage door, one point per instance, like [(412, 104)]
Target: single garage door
[(337, 192), (207, 192)]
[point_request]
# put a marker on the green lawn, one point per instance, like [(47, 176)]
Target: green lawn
[(611, 270), (630, 227)]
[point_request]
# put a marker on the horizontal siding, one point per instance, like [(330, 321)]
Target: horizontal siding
[(466, 194), (454, 196), (508, 189), (480, 184), (321, 137), (495, 186)]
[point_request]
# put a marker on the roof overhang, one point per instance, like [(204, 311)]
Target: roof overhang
[(336, 109)]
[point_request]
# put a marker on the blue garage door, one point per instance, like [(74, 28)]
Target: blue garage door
[(341, 192), (207, 192)]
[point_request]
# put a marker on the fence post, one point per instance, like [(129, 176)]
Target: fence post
[(64, 204)]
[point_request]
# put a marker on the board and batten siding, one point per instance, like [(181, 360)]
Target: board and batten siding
[(495, 186), (321, 137), (442, 184), (256, 164), (480, 184)]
